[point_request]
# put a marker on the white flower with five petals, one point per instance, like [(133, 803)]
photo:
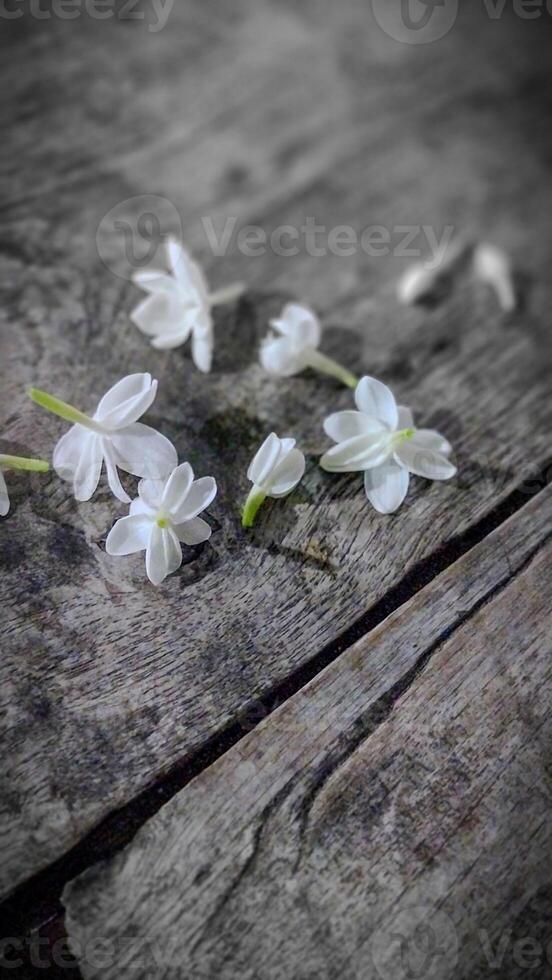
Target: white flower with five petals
[(112, 436), (164, 514), (179, 305), (274, 471), (293, 346), (381, 440)]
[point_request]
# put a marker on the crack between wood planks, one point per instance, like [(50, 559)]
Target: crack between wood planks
[(37, 900), (381, 709)]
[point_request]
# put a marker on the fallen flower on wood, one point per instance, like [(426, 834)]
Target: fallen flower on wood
[(492, 266), (275, 471), (380, 439), (112, 436), (179, 305), (293, 346), (164, 514)]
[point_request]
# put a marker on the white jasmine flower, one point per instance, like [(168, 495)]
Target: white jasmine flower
[(294, 346), (493, 267), (416, 283), (164, 514), (112, 436), (381, 440), (274, 472), (179, 305), (17, 463), (421, 280)]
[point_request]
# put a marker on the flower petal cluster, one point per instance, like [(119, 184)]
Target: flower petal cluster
[(179, 305), (296, 335), (275, 471), (112, 436), (380, 439), (293, 346), (164, 514)]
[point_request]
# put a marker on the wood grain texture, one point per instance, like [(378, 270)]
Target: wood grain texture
[(269, 113), (407, 786)]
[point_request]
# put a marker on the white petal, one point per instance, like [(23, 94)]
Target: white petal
[(202, 349), (286, 445), (278, 357), (177, 487), (187, 273), (264, 460), (424, 462), (386, 487), (299, 323), (193, 532), (405, 419), (78, 458), (143, 451), (87, 474), (115, 484), (163, 318), (429, 439), (171, 340), (163, 554), (201, 493), (346, 425), (151, 493), (139, 506), (126, 401), (374, 398), (360, 453), (68, 450), (129, 535), (287, 473), (415, 283), (4, 499), (154, 281), (493, 266)]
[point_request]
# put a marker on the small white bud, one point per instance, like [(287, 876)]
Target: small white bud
[(493, 267)]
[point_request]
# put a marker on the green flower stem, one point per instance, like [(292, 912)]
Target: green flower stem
[(320, 362), (227, 294), (254, 500), (65, 411), (23, 463)]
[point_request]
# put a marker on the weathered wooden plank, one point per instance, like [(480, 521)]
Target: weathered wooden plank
[(107, 683), (407, 786)]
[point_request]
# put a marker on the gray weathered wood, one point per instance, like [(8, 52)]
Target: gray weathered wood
[(271, 113), (407, 784)]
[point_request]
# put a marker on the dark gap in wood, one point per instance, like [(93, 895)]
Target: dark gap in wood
[(36, 902)]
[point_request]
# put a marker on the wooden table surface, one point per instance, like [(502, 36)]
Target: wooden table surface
[(322, 748)]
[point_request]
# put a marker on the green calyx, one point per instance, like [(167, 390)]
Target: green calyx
[(326, 365), (254, 500), (23, 463), (62, 409)]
